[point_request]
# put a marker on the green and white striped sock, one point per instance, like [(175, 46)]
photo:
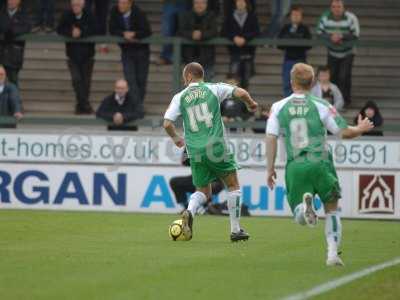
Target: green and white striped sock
[(234, 207), (333, 232)]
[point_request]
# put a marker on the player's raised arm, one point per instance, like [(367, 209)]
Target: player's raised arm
[(363, 126), (244, 96), (337, 125)]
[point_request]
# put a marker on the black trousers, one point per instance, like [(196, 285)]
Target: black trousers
[(341, 74), (204, 55), (243, 68), (81, 76), (136, 71), (101, 14), (183, 185)]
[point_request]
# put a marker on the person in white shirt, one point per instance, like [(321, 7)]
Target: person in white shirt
[(327, 90)]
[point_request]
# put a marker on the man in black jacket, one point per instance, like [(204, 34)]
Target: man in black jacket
[(130, 22), (79, 23), (119, 107), (100, 12), (199, 25), (293, 54), (13, 23), (241, 26)]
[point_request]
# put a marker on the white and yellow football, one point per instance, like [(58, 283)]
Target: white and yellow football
[(176, 232)]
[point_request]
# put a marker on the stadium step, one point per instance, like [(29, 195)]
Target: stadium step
[(45, 79)]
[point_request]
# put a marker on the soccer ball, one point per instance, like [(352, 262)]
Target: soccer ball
[(176, 231)]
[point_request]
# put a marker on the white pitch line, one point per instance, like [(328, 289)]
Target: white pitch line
[(325, 287)]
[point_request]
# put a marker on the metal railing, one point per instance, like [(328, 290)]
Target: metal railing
[(177, 44)]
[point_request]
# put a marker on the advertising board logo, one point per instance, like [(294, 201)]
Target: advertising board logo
[(376, 194)]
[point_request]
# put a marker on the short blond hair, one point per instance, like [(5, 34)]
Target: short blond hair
[(302, 76)]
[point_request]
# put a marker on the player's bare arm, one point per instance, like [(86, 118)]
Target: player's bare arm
[(244, 96), (363, 126), (271, 146), (171, 131)]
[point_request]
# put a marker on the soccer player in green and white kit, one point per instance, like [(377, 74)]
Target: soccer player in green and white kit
[(304, 119), (204, 138)]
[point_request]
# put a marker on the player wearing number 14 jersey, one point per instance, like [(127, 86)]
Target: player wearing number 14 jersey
[(304, 119), (199, 106)]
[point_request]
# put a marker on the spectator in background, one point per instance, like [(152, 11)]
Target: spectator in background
[(230, 6), (13, 23), (262, 118), (233, 110), (327, 90), (199, 25), (340, 26), (119, 107), (44, 16), (212, 6), (130, 22), (78, 23), (371, 111), (293, 55), (279, 10), (100, 12), (10, 101), (241, 27), (101, 8), (169, 25)]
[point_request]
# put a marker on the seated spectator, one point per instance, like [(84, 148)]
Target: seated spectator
[(327, 90), (262, 118), (293, 55), (371, 111), (169, 25), (130, 22), (119, 107), (44, 16), (241, 27), (340, 26), (78, 23), (13, 23), (10, 101), (199, 25), (233, 110)]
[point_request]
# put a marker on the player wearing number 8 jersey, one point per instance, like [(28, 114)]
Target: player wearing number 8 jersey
[(204, 138), (304, 120)]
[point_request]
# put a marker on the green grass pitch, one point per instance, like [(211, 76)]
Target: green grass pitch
[(68, 255)]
